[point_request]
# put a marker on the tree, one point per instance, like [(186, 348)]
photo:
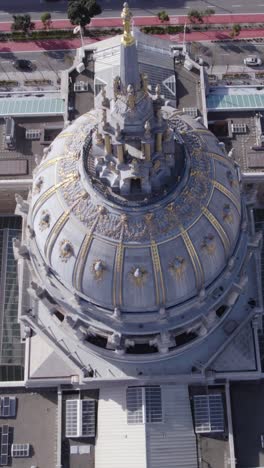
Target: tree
[(22, 23), (208, 12), (195, 16), (46, 19), (236, 28), (81, 11), (163, 16)]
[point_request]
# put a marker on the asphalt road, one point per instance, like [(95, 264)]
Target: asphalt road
[(113, 7)]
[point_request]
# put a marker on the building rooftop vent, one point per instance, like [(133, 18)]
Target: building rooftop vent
[(20, 450), (8, 407)]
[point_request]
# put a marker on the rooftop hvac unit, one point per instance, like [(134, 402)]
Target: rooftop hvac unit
[(239, 128), (33, 134), (81, 86), (10, 140), (8, 407), (192, 111), (20, 450)]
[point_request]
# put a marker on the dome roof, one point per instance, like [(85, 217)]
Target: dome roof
[(136, 253), (135, 207)]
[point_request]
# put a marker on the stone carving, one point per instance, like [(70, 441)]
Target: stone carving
[(116, 86), (147, 128), (138, 275), (227, 214), (66, 250), (22, 205), (38, 185), (177, 267), (209, 244), (118, 132), (131, 98), (144, 78), (98, 268), (44, 220)]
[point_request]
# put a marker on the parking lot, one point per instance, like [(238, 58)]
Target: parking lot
[(45, 65)]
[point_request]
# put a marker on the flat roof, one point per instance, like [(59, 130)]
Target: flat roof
[(235, 101), (31, 106)]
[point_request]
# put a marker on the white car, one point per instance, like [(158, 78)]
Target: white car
[(252, 61)]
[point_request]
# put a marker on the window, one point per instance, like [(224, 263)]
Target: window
[(170, 84), (4, 445), (81, 86), (192, 111), (208, 413), (33, 134), (20, 450), (144, 405), (80, 418), (71, 418), (239, 128), (88, 418), (134, 405), (153, 404)]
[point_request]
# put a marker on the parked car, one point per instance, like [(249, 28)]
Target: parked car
[(252, 61), (22, 64)]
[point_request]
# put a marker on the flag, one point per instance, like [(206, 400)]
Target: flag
[(76, 30)]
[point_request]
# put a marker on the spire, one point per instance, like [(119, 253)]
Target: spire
[(129, 72), (126, 15)]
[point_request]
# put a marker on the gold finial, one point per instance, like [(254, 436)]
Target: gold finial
[(126, 15)]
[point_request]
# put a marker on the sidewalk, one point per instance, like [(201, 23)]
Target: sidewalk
[(64, 44), (148, 21)]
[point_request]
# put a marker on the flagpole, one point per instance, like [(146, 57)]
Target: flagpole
[(81, 37)]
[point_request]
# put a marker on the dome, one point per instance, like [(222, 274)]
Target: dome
[(139, 251), (135, 207)]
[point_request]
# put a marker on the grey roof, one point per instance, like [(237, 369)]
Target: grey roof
[(234, 101), (31, 106)]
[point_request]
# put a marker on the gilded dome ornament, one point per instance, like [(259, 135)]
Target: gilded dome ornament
[(98, 268), (138, 275), (208, 244), (126, 15), (44, 220), (177, 267), (144, 78), (66, 250)]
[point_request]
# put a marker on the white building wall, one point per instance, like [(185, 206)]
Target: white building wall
[(118, 444), (172, 444)]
